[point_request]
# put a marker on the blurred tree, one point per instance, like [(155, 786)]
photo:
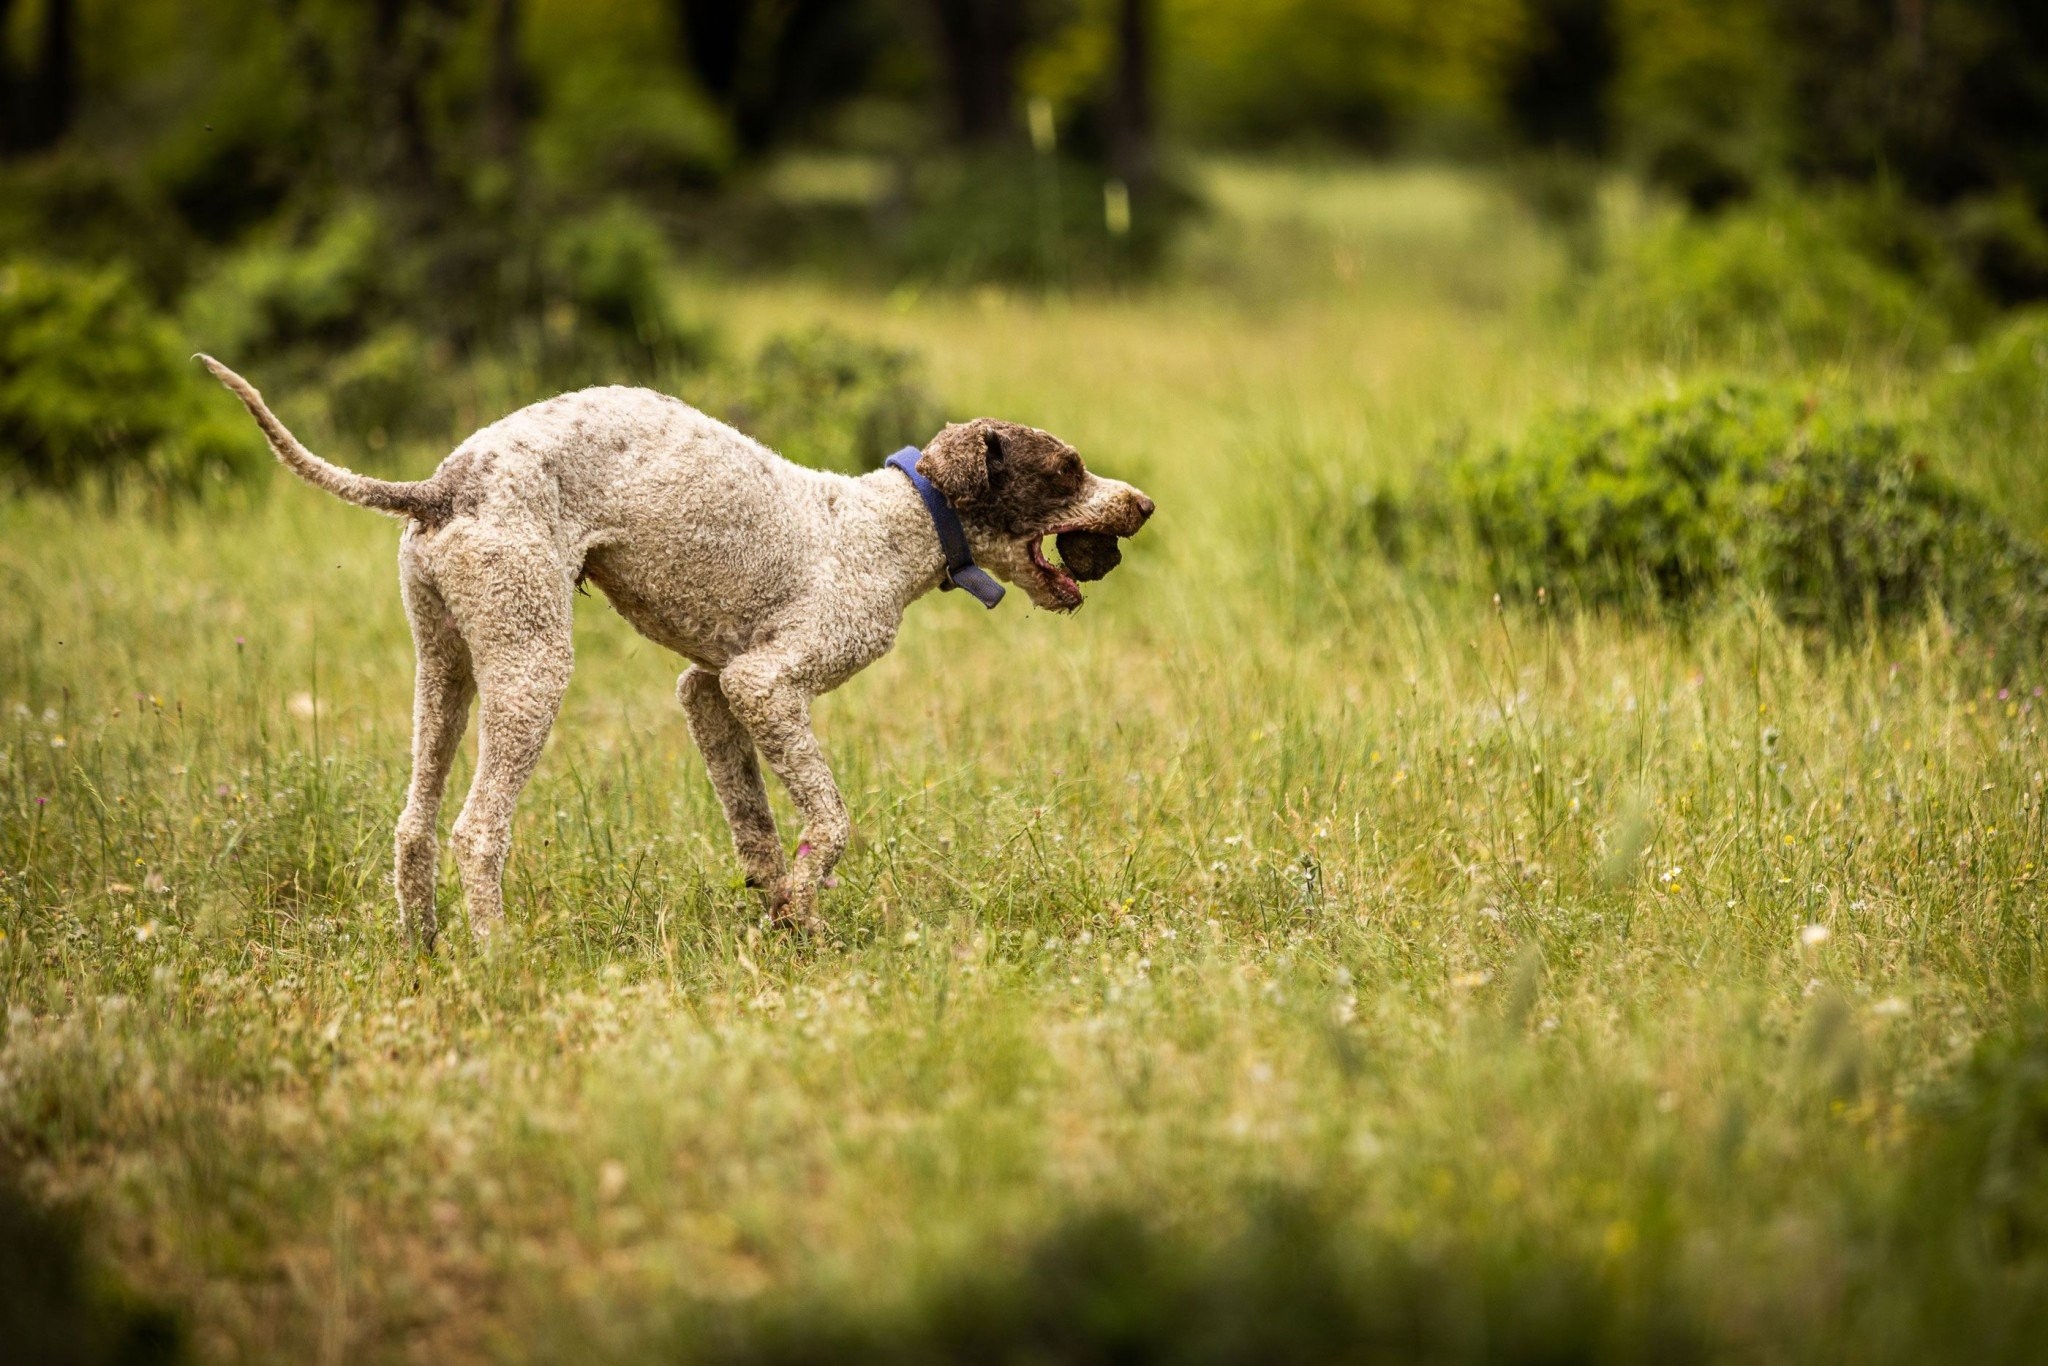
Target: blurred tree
[(409, 39), (1132, 154), (979, 43), (10, 83), (510, 100), (1372, 73), (1699, 102), (37, 109), (772, 65), (1949, 96), (1556, 92)]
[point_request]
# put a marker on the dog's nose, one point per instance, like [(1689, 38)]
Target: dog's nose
[(1145, 507)]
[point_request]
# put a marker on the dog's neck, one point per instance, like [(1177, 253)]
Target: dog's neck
[(910, 560)]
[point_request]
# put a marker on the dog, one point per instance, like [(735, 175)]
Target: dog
[(776, 582)]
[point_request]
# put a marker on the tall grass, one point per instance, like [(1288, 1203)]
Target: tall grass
[(1542, 960)]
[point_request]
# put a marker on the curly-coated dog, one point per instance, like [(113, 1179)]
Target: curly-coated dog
[(776, 582)]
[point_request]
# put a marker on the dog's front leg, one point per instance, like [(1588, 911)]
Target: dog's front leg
[(775, 708), (735, 776)]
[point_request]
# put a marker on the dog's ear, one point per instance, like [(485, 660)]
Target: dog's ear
[(966, 462)]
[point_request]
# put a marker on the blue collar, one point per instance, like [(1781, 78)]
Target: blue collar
[(961, 570)]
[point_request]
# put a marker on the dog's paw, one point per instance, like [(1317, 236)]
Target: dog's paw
[(794, 906)]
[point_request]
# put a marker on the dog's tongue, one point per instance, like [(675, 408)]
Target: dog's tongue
[(1087, 555)]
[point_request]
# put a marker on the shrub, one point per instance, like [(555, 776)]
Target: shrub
[(84, 212), (376, 313), (613, 268), (386, 385), (1031, 220), (324, 290), (607, 130), (827, 399), (1812, 277), (1984, 1152), (95, 383), (1993, 406), (1831, 515), (2002, 242)]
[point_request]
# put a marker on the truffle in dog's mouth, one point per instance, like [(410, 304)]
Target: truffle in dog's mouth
[(1084, 556), (1088, 555)]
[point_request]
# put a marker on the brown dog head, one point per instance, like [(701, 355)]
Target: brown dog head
[(1013, 486)]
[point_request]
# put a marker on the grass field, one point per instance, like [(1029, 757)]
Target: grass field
[(1588, 987)]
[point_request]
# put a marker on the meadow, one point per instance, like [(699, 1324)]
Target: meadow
[(1364, 959)]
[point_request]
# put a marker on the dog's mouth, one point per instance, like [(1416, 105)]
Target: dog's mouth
[(1084, 555)]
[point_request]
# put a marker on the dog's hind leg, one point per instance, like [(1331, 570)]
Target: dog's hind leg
[(442, 688), (735, 776), (511, 599)]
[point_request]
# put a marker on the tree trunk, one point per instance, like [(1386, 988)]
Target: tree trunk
[(511, 89), (978, 43), (11, 109), (39, 108), (1132, 151), (712, 32), (398, 68)]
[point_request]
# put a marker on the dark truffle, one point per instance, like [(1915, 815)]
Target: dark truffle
[(1088, 555)]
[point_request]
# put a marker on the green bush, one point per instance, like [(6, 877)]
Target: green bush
[(86, 212), (94, 383), (609, 130), (827, 399), (327, 289), (1833, 516), (613, 269), (2003, 243), (378, 315), (391, 383), (1983, 1168), (1992, 405), (1029, 219), (1809, 277)]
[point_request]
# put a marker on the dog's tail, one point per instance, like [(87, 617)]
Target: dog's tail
[(420, 499)]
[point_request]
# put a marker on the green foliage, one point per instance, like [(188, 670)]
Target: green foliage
[(1108, 1286), (78, 209), (380, 318), (1829, 514), (1992, 404), (327, 289), (1364, 71), (2003, 243), (1982, 1181), (1806, 277), (94, 384), (613, 268), (610, 128), (1699, 98), (1031, 219), (827, 399), (2000, 387), (392, 381)]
